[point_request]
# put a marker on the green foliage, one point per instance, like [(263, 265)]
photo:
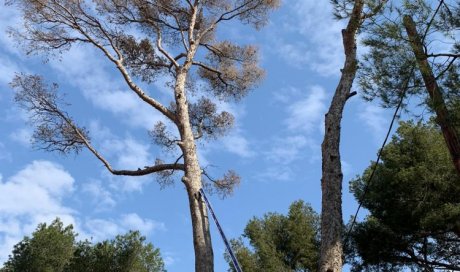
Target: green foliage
[(50, 249), (280, 243), (53, 249), (413, 202), (389, 63), (127, 252)]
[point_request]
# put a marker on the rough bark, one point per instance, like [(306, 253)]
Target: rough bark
[(204, 259), (437, 100), (331, 182)]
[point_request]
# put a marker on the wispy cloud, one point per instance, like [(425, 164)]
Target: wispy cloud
[(281, 173), (305, 113), (286, 150), (4, 154), (123, 153), (9, 17), (133, 221), (22, 136), (87, 70), (237, 144), (7, 69), (312, 39), (99, 229), (375, 119), (99, 195)]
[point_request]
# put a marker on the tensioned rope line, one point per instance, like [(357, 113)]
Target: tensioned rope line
[(227, 244), (403, 94), (374, 167)]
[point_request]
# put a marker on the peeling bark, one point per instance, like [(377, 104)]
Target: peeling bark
[(437, 100), (331, 182)]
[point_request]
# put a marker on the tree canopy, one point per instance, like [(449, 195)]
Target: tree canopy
[(280, 242), (54, 248), (413, 202), (389, 65), (49, 249)]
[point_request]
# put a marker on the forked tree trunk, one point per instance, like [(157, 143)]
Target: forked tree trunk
[(204, 259), (331, 182), (437, 101)]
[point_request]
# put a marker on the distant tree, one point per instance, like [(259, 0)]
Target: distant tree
[(414, 206), (414, 51), (53, 249), (127, 252), (356, 11), (280, 242), (176, 38), (48, 250)]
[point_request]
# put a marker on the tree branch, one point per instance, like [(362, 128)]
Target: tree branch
[(163, 51), (138, 172), (217, 72)]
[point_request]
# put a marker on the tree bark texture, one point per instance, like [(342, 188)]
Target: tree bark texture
[(204, 259), (437, 100), (331, 182)]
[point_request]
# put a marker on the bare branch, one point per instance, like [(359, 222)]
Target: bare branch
[(450, 55), (162, 137), (49, 25), (163, 51), (232, 70), (249, 11), (223, 186), (206, 121), (56, 130)]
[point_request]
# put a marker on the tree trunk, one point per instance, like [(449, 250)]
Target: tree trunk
[(437, 101), (331, 182), (204, 259)]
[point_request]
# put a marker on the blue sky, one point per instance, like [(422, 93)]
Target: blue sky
[(274, 146)]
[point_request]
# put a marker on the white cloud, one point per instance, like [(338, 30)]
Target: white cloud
[(35, 195), (133, 221), (100, 196), (122, 153), (237, 144), (44, 184), (313, 22), (287, 149), (304, 121), (22, 136), (7, 69), (295, 54), (9, 17), (31, 196), (100, 229), (104, 86), (347, 169), (305, 113), (278, 173), (128, 154), (375, 119), (168, 260)]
